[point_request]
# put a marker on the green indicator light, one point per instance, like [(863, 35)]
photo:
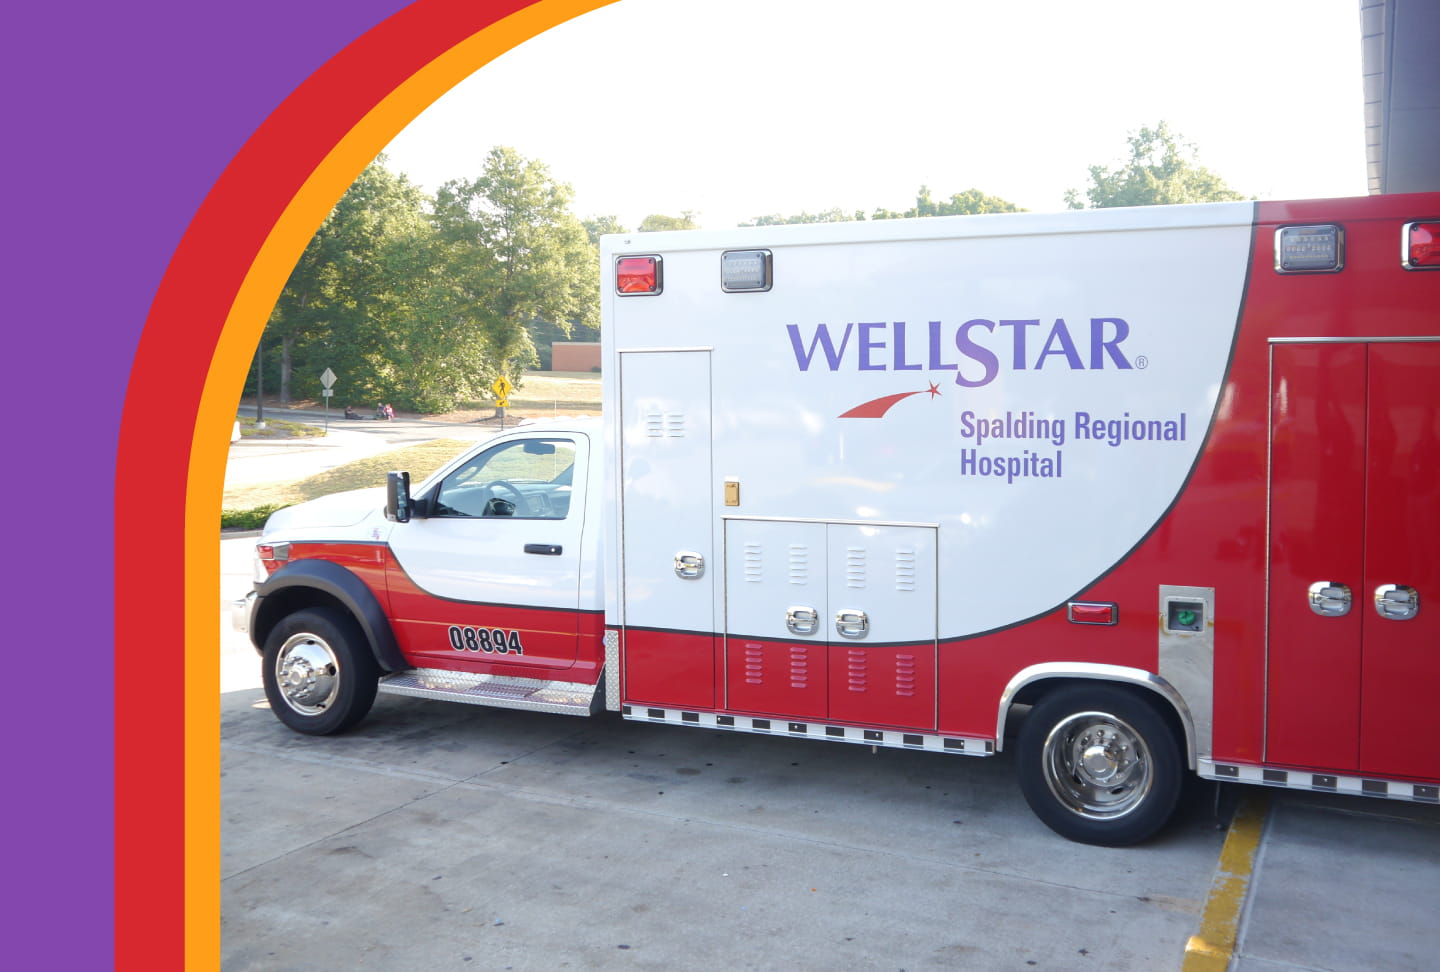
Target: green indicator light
[(1186, 618)]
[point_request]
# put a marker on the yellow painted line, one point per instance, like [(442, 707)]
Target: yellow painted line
[(1211, 948)]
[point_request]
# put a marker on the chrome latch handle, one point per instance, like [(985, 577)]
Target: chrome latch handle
[(1396, 602), (1329, 599), (852, 624), (802, 620), (689, 565)]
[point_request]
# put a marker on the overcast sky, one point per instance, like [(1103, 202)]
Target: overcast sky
[(736, 110)]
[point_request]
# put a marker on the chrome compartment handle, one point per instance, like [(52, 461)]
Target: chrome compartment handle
[(1329, 599), (802, 620), (852, 624), (1396, 602), (689, 565)]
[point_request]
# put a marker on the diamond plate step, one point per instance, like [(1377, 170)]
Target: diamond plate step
[(537, 695)]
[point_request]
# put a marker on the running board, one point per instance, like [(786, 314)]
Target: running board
[(535, 694)]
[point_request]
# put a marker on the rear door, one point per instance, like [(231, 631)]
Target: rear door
[(1354, 579)]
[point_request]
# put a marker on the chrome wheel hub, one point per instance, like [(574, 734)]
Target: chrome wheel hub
[(307, 674), (1097, 765)]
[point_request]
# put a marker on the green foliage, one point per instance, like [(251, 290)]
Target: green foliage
[(655, 223), (423, 302), (971, 202), (966, 203), (835, 215), (1161, 170), (251, 519), (515, 254), (598, 226)]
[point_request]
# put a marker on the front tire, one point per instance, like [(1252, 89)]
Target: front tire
[(319, 674), (1100, 765)]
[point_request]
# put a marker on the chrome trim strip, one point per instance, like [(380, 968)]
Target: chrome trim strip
[(612, 670), (815, 519), (800, 729), (1187, 661), (1292, 779), (662, 350), (1269, 528), (532, 694), (1105, 673), (1350, 340)]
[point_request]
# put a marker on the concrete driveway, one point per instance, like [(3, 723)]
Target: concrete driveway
[(445, 836)]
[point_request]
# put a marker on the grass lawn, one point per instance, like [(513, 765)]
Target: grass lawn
[(246, 507)]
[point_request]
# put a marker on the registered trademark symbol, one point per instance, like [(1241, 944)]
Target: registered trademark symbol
[(1142, 362)]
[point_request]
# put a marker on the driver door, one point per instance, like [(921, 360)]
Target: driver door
[(491, 576)]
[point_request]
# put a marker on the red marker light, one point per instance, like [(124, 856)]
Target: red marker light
[(637, 275), (1079, 612), (1422, 245)]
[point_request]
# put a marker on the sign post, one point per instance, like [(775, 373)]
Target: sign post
[(502, 389), (327, 379)]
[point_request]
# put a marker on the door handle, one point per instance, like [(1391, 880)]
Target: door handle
[(544, 549), (1329, 599), (689, 565), (802, 620), (1396, 602), (852, 624)]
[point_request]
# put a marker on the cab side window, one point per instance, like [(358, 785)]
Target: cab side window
[(528, 479)]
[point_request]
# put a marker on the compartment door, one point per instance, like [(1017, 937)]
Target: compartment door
[(1400, 670), (670, 577), (883, 614)]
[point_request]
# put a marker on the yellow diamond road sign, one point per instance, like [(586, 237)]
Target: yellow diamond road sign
[(502, 388)]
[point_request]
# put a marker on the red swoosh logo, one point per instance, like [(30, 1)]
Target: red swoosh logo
[(879, 406)]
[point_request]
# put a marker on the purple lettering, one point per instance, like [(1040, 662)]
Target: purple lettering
[(935, 363), (868, 344), (981, 355), (822, 340), (900, 363), (1060, 335), (1098, 343), (1018, 361)]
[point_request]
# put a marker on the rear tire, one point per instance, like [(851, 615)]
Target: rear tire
[(1100, 765), (319, 674)]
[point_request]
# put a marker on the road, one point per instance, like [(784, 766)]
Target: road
[(445, 836)]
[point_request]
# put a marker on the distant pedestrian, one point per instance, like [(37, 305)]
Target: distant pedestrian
[(350, 412), (389, 412)]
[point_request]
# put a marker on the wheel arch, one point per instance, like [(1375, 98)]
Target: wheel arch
[(321, 583), (1031, 684)]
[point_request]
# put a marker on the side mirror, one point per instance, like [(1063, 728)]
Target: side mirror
[(397, 497)]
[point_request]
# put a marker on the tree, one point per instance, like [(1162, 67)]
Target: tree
[(598, 226), (835, 215), (515, 254), (655, 223), (971, 202), (1161, 170), (336, 298)]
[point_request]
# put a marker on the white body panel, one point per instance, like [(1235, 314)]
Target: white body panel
[(960, 316)]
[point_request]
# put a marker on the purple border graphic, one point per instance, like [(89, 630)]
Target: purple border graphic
[(120, 118)]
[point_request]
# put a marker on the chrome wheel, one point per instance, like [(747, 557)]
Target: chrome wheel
[(1097, 765), (307, 674)]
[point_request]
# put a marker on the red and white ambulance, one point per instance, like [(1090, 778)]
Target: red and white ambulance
[(1160, 486)]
